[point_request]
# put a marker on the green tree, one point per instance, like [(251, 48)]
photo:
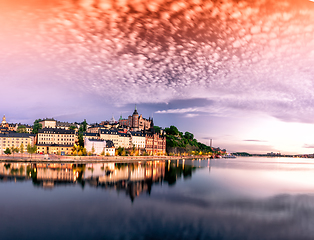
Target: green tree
[(31, 149), (72, 127), (14, 150), (83, 126), (21, 129), (37, 126), (81, 139), (93, 150), (157, 129), (22, 148), (188, 136), (172, 130), (7, 151)]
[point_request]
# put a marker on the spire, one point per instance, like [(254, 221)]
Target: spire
[(4, 120), (135, 111)]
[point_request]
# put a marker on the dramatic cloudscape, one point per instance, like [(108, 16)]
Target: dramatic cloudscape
[(239, 72)]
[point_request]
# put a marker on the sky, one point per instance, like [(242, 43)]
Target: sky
[(238, 72)]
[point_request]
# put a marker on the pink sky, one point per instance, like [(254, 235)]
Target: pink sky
[(239, 72)]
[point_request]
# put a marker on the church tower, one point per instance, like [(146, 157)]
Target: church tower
[(135, 123), (4, 122)]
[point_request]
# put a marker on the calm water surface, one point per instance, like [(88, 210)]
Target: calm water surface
[(243, 198)]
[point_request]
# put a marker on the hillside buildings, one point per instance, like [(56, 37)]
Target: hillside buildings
[(136, 122), (52, 123), (55, 137)]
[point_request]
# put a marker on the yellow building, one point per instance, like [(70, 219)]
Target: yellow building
[(54, 149), (13, 139), (112, 135), (55, 141)]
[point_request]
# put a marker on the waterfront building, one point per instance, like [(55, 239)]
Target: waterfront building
[(155, 143), (111, 135), (55, 141), (98, 147), (136, 122), (13, 139), (124, 140), (138, 140), (95, 146)]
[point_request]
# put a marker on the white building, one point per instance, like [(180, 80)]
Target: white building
[(48, 123), (138, 140), (99, 147), (124, 141)]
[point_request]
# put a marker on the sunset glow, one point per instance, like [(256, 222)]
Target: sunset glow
[(239, 72)]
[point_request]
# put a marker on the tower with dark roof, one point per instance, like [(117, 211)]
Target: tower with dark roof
[(135, 116)]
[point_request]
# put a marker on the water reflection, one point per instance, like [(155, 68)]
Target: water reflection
[(246, 198), (133, 178)]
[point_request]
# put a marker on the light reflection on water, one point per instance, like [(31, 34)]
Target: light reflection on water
[(243, 198)]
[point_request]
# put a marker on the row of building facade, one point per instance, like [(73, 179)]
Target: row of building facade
[(57, 138)]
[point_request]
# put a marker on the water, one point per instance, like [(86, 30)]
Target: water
[(243, 198)]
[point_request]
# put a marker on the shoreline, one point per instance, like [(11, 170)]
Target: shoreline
[(94, 159)]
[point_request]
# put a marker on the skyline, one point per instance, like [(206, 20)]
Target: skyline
[(238, 72)]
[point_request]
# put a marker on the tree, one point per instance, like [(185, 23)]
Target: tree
[(22, 148), (7, 151), (14, 150), (72, 127), (157, 129), (188, 135), (93, 150), (172, 130), (37, 126), (81, 139), (31, 149), (83, 126), (21, 129)]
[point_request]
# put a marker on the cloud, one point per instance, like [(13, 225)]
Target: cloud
[(182, 110), (308, 146), (191, 115), (232, 53)]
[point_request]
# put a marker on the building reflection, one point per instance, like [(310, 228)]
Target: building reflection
[(15, 171), (132, 178), (49, 175)]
